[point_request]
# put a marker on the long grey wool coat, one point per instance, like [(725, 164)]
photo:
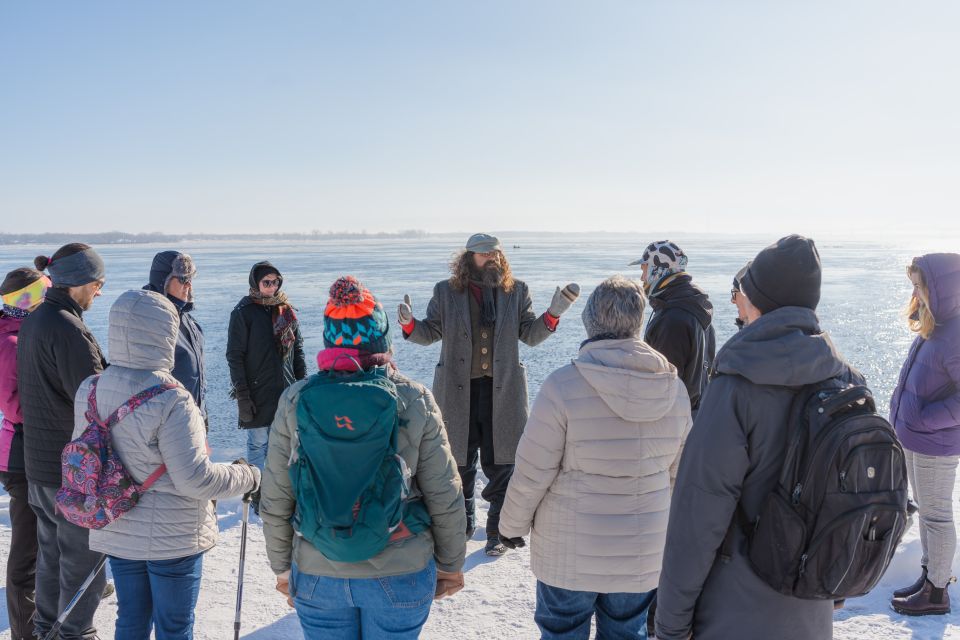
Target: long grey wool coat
[(448, 319)]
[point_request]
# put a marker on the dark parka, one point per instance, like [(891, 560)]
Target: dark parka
[(734, 454), (448, 319), (681, 328), (254, 356), (56, 352), (188, 368)]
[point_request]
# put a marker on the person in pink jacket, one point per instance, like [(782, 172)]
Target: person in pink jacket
[(22, 290)]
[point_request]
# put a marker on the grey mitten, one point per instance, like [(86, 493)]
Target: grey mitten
[(405, 311), (563, 298)]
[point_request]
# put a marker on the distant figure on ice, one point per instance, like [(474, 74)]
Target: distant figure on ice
[(56, 352), (156, 549), (171, 275), (594, 472), (732, 460), (681, 326), (925, 409), (265, 354), (361, 503), (481, 313), (22, 290)]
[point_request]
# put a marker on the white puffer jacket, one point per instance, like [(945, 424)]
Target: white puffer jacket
[(175, 517), (595, 467)]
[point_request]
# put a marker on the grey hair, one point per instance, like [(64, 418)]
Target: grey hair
[(615, 309)]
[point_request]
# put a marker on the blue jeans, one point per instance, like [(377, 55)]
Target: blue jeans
[(563, 614), (156, 593), (257, 446), (369, 608)]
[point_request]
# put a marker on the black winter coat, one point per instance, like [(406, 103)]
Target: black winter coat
[(255, 362), (733, 456), (55, 353), (681, 328)]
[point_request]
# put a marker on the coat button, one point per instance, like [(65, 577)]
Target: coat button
[(483, 350), (484, 366), (483, 334), (459, 387)]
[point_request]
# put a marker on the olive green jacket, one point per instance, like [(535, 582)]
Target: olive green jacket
[(422, 444)]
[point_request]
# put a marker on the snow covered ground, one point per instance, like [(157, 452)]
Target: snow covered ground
[(497, 601)]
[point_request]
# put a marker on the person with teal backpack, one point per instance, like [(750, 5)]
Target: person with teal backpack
[(361, 502)]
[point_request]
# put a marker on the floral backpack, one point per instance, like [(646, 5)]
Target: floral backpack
[(95, 489)]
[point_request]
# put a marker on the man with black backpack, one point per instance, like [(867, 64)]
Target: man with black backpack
[(361, 501), (746, 556)]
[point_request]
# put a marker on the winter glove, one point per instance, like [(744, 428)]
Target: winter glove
[(283, 586), (563, 298), (246, 408), (448, 584), (254, 493), (405, 311), (512, 543)]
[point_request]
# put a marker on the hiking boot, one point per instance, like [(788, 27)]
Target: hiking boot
[(928, 601), (494, 547), (906, 592), (108, 591)]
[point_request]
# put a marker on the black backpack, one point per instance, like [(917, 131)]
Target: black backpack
[(832, 524)]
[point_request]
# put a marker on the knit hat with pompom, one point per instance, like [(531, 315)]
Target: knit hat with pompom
[(354, 319)]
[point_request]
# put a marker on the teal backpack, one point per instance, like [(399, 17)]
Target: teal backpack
[(351, 486)]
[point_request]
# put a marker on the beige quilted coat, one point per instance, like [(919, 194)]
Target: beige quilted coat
[(595, 467)]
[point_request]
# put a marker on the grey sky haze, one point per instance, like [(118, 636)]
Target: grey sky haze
[(569, 116)]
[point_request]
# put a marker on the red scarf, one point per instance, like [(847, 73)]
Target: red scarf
[(347, 359)]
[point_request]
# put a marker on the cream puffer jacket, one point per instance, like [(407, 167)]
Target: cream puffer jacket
[(595, 468), (175, 518)]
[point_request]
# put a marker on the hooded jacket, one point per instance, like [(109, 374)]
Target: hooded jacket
[(733, 456), (681, 328), (11, 427), (175, 517), (254, 358), (189, 367), (925, 406), (55, 352), (595, 467)]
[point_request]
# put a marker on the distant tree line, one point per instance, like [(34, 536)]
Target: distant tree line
[(119, 237)]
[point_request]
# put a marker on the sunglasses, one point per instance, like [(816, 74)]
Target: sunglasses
[(270, 282), (733, 295), (184, 280)]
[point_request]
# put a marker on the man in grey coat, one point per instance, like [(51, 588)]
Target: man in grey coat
[(481, 313), (733, 458)]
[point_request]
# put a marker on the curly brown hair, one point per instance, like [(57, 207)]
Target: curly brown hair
[(463, 269)]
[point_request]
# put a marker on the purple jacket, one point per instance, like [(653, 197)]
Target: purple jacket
[(925, 407), (9, 398)]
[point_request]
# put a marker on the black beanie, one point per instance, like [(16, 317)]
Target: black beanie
[(18, 279), (785, 274)]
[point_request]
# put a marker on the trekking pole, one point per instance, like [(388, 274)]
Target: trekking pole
[(243, 556), (55, 630)]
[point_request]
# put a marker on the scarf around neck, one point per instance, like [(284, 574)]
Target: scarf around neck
[(347, 359), (488, 306), (285, 321)]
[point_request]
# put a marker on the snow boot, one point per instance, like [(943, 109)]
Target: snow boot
[(906, 592), (494, 547), (470, 532), (929, 601)]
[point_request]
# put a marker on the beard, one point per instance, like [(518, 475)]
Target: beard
[(489, 275)]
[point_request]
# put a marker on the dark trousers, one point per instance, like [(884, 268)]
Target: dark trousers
[(22, 560), (480, 448), (64, 561)]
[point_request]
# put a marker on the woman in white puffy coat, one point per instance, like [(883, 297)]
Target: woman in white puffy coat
[(594, 473), (156, 549)]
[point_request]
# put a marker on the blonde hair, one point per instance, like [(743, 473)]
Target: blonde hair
[(919, 317)]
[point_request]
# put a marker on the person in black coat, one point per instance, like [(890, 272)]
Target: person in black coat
[(681, 327), (55, 353), (265, 355)]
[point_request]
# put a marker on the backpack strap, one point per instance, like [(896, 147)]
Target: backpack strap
[(125, 409)]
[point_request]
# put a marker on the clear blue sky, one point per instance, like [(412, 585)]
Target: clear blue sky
[(696, 116)]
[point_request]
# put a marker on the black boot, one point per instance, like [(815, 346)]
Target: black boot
[(916, 586), (929, 601), (494, 547)]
